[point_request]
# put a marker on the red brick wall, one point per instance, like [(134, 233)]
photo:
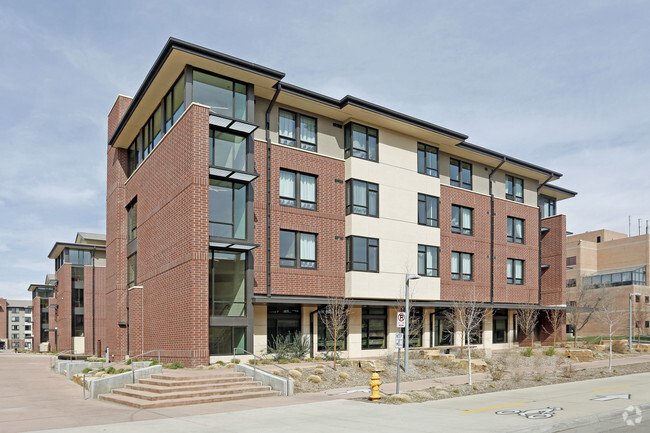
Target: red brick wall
[(554, 254), (171, 186), (62, 314), (100, 307), (477, 244), (36, 323), (3, 318), (327, 222), (547, 331), (117, 112), (504, 250)]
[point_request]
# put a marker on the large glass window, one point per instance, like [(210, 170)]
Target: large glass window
[(132, 270), (500, 326), (636, 277), (282, 321), (223, 339), (227, 283), (227, 209), (515, 271), (460, 174), (293, 125), (326, 337), (361, 198), (174, 102), (362, 254), (373, 328), (77, 257), (461, 266), (515, 230), (77, 277), (514, 188), (444, 328), (361, 141), (297, 189), (297, 250), (428, 260), (548, 206), (227, 150), (461, 220), (132, 221), (428, 210), (427, 160), (224, 96)]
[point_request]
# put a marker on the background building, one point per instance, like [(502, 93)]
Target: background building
[(16, 325), (239, 204), (41, 295), (606, 267)]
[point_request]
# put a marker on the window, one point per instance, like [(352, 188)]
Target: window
[(427, 160), (17, 336), (132, 221), (361, 141), (597, 239), (326, 336), (225, 97), (361, 198), (647, 299), (282, 322), (28, 311), (227, 283), (636, 277), (514, 188), (297, 250), (515, 230), (227, 209), (515, 271), (499, 326), (373, 327), (461, 220), (428, 210), (77, 257), (637, 299), (297, 189), (362, 254), (460, 174), (28, 320), (572, 303), (15, 319), (15, 310), (647, 323), (571, 261), (227, 150), (571, 282), (416, 326), (428, 260), (222, 339), (293, 125), (461, 266), (548, 206), (174, 103), (77, 283), (28, 327), (15, 327), (132, 270)]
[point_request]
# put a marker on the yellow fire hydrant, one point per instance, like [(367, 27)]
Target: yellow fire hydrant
[(374, 384)]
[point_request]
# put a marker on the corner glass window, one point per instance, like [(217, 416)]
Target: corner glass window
[(361, 141), (224, 96), (227, 283), (361, 198), (227, 209), (547, 204), (227, 150)]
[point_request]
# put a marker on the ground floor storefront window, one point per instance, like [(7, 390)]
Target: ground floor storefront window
[(223, 339)]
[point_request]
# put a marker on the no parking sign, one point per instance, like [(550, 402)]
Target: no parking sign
[(401, 319)]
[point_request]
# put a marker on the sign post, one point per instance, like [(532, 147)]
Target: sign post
[(399, 344)]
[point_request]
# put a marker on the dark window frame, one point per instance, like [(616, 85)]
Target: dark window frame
[(370, 245), (359, 152), (423, 219), (462, 274), (298, 261), (370, 189), (424, 150), (233, 213), (435, 267), (298, 202), (132, 220), (234, 83), (132, 280), (460, 228), (511, 188), (511, 232), (298, 125), (511, 270), (462, 181), (368, 315), (547, 205)]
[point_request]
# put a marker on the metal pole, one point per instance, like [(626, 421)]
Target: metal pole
[(398, 369), (408, 335), (630, 313)]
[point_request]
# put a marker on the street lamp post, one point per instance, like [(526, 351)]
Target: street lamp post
[(631, 294), (406, 328)]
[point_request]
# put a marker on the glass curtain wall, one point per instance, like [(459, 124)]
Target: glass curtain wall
[(77, 302), (227, 284)]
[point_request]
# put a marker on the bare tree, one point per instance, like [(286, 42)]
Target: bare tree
[(527, 318), (613, 316), (335, 317), (582, 305), (556, 319), (467, 317)]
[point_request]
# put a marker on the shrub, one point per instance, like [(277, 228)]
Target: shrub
[(295, 360), (319, 371), (345, 363), (315, 379), (111, 370), (496, 368), (128, 361), (174, 365), (122, 370), (295, 374), (87, 370), (291, 346), (283, 361), (154, 362), (550, 351), (344, 375), (527, 352)]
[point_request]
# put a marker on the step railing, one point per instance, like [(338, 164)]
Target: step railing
[(134, 359), (255, 358), (56, 356)]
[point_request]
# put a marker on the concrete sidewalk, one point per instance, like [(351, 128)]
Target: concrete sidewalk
[(34, 398)]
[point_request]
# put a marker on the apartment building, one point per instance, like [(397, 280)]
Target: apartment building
[(604, 266), (41, 294), (72, 303), (16, 325), (238, 205)]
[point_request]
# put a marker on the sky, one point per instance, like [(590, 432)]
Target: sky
[(560, 84)]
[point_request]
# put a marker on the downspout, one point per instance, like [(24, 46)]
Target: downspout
[(539, 246), (278, 88), (94, 252), (492, 230)]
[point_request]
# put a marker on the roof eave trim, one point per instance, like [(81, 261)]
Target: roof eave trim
[(561, 190)]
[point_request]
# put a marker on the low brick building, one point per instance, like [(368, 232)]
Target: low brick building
[(238, 205)]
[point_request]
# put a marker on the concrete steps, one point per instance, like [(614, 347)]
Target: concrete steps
[(179, 390)]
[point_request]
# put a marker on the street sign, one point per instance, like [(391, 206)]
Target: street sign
[(399, 340), (401, 319)]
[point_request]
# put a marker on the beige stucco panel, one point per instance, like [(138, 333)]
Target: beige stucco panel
[(384, 285)]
